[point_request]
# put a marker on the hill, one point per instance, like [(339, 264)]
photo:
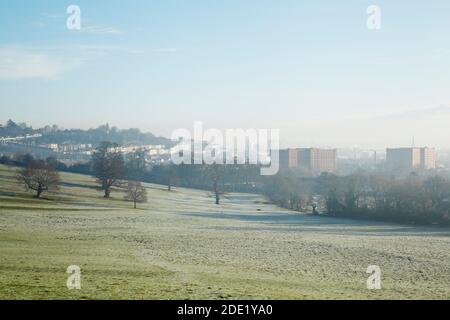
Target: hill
[(56, 135), (182, 246)]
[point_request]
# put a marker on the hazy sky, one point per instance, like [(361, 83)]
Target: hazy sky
[(309, 68)]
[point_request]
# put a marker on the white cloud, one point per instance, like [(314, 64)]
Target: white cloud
[(96, 29), (165, 50), (19, 63)]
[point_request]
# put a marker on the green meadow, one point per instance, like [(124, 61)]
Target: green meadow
[(180, 245)]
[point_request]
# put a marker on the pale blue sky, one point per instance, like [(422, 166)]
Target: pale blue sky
[(310, 68)]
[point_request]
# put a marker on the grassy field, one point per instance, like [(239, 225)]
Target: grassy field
[(182, 246)]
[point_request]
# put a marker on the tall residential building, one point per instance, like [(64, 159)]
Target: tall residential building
[(319, 160), (411, 158), (428, 158), (312, 159), (289, 158)]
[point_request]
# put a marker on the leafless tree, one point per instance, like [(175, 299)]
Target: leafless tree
[(108, 166), (39, 177), (215, 173), (172, 177), (136, 192)]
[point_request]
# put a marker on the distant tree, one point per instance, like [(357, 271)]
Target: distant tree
[(108, 166), (330, 186), (437, 190), (24, 160), (55, 164), (136, 192), (215, 173), (313, 203), (83, 168), (13, 129), (353, 191), (39, 177), (380, 191), (4, 159), (11, 124), (52, 162), (278, 189), (172, 176), (136, 166), (250, 174), (97, 136)]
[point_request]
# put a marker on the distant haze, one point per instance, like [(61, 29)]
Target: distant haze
[(309, 68)]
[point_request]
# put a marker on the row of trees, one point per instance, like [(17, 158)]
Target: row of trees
[(108, 167), (98, 135), (53, 134), (292, 190), (111, 169), (219, 179), (12, 129), (412, 199)]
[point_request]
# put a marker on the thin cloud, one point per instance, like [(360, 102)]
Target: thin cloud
[(38, 24), (417, 113), (45, 19), (88, 25), (165, 50), (23, 64), (49, 62), (93, 51), (101, 30)]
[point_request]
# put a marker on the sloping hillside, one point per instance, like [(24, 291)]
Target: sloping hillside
[(182, 246)]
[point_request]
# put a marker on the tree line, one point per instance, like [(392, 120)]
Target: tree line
[(95, 136), (107, 166), (411, 199), (113, 169)]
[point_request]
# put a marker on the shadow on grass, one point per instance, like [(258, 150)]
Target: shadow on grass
[(8, 194), (320, 224), (79, 185)]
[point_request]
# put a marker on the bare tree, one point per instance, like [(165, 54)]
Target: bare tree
[(215, 173), (136, 192), (437, 189), (108, 166), (329, 188), (353, 190), (172, 176), (136, 166), (40, 177)]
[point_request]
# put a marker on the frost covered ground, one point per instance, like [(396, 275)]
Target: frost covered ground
[(182, 246)]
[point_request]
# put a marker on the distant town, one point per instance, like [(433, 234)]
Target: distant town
[(404, 160), (77, 146)]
